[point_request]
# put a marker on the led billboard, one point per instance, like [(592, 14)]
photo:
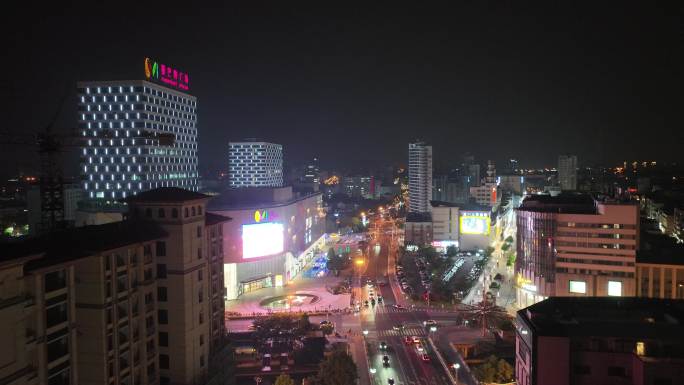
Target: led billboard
[(475, 223), (262, 239)]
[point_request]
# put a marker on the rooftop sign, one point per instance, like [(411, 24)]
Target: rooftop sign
[(166, 75)]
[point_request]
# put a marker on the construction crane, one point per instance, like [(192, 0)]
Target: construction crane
[(51, 145)]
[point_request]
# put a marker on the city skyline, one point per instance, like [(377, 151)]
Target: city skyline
[(383, 78)]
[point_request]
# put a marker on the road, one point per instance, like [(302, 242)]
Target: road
[(405, 363)]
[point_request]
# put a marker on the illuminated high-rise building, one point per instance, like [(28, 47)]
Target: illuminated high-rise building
[(420, 177), (255, 164), (138, 135), (567, 172)]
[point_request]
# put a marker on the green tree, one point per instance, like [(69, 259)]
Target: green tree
[(451, 251), (494, 370), (338, 369), (284, 379), (509, 239), (505, 246)]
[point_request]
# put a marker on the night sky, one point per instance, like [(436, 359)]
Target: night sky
[(354, 84)]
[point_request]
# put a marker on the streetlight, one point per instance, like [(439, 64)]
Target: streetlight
[(456, 366), (365, 332)]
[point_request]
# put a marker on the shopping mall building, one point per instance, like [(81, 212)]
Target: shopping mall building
[(273, 234)]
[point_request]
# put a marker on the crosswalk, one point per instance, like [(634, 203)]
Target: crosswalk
[(383, 309), (409, 331)]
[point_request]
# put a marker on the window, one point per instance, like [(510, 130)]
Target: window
[(199, 210), (57, 348), (186, 212), (199, 275), (202, 361), (161, 270), (199, 231), (174, 213), (615, 288), (578, 287), (55, 280), (200, 295), (201, 317), (193, 211), (163, 316), (161, 249), (199, 253), (163, 361), (161, 213), (56, 314), (616, 371), (163, 339), (201, 339), (582, 369), (161, 294)]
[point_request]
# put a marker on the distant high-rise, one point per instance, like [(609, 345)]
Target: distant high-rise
[(567, 172), (138, 135), (420, 177), (312, 172), (255, 164)]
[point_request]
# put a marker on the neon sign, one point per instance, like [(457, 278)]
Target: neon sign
[(167, 75), (260, 216)]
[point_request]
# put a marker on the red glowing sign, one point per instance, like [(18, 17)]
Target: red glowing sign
[(167, 75)]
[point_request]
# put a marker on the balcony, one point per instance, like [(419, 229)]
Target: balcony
[(150, 330)]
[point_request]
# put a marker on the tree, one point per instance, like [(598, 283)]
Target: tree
[(509, 239), (451, 251), (284, 379), (494, 370), (486, 313), (338, 369)]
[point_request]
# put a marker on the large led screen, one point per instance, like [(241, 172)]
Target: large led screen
[(475, 224), (262, 239)]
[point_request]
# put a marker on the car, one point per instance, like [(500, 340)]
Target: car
[(398, 327), (383, 345), (365, 303), (390, 381), (425, 358), (429, 323), (399, 307), (379, 299), (419, 347), (408, 340), (372, 302), (385, 361), (415, 339)]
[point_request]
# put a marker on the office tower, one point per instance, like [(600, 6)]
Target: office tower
[(567, 172), (513, 166), (486, 194), (311, 172), (576, 341), (420, 177), (255, 164), (474, 175), (138, 135), (573, 245)]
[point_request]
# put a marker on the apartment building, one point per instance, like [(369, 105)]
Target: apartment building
[(187, 280), (574, 245), (137, 302)]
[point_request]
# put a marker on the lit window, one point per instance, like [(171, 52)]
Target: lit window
[(579, 287), (615, 288)]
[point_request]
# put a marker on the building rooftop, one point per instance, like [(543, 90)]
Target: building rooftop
[(79, 242), (166, 195), (565, 203), (606, 317), (658, 248), (212, 219), (249, 198)]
